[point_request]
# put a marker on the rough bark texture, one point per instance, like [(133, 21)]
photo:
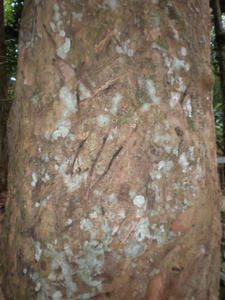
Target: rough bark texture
[(113, 188), (3, 106)]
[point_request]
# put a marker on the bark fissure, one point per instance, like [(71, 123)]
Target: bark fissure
[(114, 156), (79, 148)]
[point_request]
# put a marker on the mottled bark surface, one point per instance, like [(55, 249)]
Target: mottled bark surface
[(3, 105), (113, 188)]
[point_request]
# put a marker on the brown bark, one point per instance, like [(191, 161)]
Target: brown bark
[(113, 190), (3, 105)]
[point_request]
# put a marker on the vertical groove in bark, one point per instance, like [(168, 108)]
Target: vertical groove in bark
[(113, 189), (220, 44)]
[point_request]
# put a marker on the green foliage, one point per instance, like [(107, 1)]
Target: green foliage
[(8, 12), (217, 96), (218, 113), (12, 12), (12, 16)]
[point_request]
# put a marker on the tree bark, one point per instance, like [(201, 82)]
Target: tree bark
[(3, 105), (113, 189)]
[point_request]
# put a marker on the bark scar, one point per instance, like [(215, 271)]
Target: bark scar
[(98, 155), (78, 98), (80, 146), (115, 154), (93, 167)]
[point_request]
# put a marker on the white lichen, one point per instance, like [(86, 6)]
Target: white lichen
[(77, 16), (160, 169), (68, 99), (84, 91), (122, 213), (60, 263), (72, 183), (157, 192), (115, 103), (103, 120), (93, 215), (38, 251), (183, 51), (111, 3), (124, 49), (149, 85), (37, 286), (34, 179), (46, 178), (69, 222), (174, 99), (86, 225), (56, 17), (64, 49), (187, 107), (62, 33), (62, 129), (53, 26), (183, 162), (134, 249), (35, 99), (113, 133), (142, 231), (179, 64), (91, 259), (112, 198), (145, 107), (159, 234), (57, 295), (68, 250), (37, 204), (86, 296), (55, 7), (25, 271), (139, 201), (155, 21)]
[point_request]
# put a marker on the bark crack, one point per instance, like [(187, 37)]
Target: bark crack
[(80, 146), (115, 154)]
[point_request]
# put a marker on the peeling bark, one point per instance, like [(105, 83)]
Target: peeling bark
[(113, 189)]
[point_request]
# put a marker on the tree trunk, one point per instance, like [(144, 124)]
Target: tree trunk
[(3, 106), (112, 184)]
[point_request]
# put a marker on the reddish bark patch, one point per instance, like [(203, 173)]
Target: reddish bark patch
[(155, 288)]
